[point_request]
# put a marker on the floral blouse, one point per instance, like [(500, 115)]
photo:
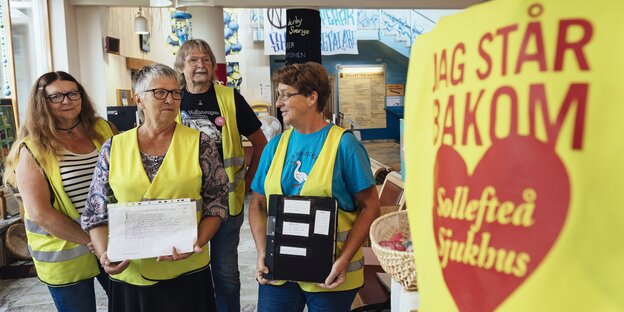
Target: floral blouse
[(214, 190)]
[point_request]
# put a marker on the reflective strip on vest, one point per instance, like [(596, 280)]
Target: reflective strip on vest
[(233, 162), (355, 265), (60, 255), (342, 236), (33, 227), (237, 180)]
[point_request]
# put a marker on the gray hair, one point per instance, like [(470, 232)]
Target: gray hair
[(186, 49), (142, 78)]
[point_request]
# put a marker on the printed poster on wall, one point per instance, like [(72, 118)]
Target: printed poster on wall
[(338, 31), (513, 142), (362, 95)]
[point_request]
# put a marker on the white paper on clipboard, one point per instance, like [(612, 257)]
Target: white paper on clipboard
[(150, 229)]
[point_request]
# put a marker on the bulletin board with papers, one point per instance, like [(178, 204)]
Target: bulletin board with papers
[(362, 95)]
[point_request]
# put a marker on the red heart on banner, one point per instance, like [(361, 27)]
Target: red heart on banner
[(494, 227)]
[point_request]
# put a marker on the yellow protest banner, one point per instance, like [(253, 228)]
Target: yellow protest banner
[(514, 146)]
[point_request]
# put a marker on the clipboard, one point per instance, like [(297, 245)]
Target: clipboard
[(148, 229), (301, 238)]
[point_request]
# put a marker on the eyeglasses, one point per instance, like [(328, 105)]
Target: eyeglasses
[(59, 97), (286, 96), (161, 94), (193, 61)]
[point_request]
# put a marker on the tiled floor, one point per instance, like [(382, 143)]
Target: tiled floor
[(28, 294)]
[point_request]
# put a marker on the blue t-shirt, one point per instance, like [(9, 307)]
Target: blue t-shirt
[(352, 172)]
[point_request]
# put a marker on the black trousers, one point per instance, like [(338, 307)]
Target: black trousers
[(189, 292)]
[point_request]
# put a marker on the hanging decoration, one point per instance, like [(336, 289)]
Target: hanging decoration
[(230, 32), (180, 28), (234, 77)]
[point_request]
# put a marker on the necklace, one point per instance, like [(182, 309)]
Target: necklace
[(71, 135), (198, 97)]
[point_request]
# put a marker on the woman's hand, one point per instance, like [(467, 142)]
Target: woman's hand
[(112, 267), (175, 256), (91, 247), (262, 269), (337, 275)]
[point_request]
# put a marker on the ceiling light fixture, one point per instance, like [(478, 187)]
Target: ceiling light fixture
[(161, 3), (140, 24)]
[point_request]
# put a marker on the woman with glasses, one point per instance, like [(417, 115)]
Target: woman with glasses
[(161, 159), (314, 158), (51, 163)]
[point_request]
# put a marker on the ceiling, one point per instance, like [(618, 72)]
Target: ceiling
[(359, 4)]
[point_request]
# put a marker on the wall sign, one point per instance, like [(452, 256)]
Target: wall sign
[(303, 36)]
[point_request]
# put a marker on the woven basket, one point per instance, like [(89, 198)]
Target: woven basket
[(399, 264)]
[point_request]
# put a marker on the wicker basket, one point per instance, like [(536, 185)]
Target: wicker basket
[(399, 264)]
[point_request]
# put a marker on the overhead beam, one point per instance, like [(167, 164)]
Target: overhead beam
[(357, 4)]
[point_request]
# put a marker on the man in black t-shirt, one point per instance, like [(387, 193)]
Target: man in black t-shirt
[(223, 114)]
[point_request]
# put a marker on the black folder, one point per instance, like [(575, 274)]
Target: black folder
[(301, 238)]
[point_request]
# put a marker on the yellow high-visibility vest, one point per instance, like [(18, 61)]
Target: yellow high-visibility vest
[(179, 176), (58, 261), (319, 183), (233, 153)]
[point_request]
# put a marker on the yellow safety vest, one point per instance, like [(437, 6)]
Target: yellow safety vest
[(319, 183), (58, 261), (179, 176), (233, 153)]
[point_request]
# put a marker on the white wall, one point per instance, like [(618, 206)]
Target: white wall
[(207, 23), (103, 73), (91, 25), (121, 26), (64, 37), (254, 65)]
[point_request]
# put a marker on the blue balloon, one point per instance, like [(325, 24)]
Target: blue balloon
[(237, 47), (227, 49), (226, 17), (229, 70), (181, 15), (233, 25), (228, 33)]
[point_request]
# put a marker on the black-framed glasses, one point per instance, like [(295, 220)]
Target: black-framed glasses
[(285, 96), (161, 94), (195, 60), (59, 97)]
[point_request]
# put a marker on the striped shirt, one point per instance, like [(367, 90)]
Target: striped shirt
[(76, 172)]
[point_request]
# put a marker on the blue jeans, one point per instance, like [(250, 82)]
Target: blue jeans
[(291, 298), (78, 297), (224, 264)]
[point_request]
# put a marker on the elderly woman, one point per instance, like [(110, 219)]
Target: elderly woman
[(51, 163), (335, 165), (161, 159)]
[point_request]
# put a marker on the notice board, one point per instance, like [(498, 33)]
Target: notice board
[(362, 95)]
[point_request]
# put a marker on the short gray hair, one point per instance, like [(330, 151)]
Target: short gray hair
[(142, 78)]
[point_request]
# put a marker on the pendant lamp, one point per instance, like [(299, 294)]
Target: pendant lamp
[(140, 24)]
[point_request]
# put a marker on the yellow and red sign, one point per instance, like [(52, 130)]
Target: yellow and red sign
[(514, 145)]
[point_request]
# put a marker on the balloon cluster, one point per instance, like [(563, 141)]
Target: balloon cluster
[(230, 33), (234, 77), (180, 28)]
